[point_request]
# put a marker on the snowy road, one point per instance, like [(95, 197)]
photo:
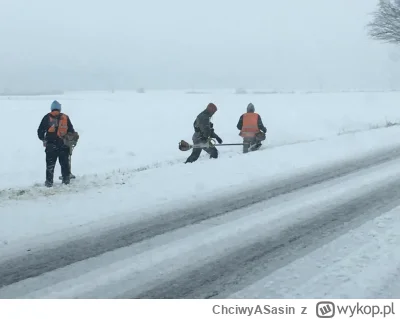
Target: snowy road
[(252, 244)]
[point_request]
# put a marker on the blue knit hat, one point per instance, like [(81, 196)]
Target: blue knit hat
[(55, 106)]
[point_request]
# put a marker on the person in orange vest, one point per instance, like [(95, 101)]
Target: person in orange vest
[(52, 130), (250, 125)]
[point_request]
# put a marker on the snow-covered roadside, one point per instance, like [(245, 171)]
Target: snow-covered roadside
[(150, 192)]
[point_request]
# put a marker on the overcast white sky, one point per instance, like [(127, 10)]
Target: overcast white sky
[(95, 44)]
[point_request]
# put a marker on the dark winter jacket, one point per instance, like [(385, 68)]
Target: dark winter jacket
[(261, 126), (203, 125), (52, 137)]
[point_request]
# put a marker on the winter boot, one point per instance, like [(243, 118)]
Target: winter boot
[(48, 183), (256, 147), (66, 180)]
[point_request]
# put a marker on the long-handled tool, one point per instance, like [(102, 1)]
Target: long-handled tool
[(185, 146), (71, 139), (71, 176)]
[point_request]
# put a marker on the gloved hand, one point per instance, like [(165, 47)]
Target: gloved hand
[(44, 143), (203, 140), (219, 140)]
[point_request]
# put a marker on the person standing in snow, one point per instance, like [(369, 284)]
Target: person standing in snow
[(203, 131), (251, 129), (52, 131)]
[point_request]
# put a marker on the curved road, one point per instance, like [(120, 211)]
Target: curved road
[(214, 250)]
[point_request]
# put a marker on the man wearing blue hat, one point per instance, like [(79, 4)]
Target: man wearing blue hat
[(53, 131)]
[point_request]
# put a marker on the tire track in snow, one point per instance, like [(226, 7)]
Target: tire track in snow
[(220, 278), (40, 262)]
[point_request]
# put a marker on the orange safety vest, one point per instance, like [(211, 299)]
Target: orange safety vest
[(60, 124), (250, 125)]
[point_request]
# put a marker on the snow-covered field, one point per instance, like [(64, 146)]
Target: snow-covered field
[(125, 132), (129, 170)]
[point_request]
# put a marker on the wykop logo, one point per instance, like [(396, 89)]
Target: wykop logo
[(325, 309)]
